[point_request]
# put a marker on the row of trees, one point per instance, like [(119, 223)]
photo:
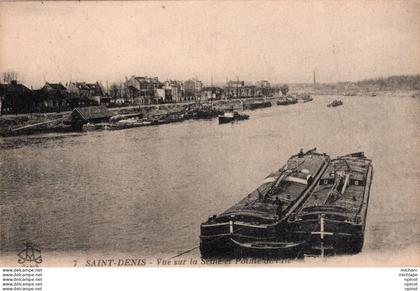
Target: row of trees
[(407, 82)]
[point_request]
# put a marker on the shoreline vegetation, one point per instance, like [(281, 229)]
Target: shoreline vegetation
[(382, 86)]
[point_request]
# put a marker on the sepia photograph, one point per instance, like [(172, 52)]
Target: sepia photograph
[(209, 134)]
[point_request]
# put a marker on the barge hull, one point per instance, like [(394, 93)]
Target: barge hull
[(329, 231), (255, 225)]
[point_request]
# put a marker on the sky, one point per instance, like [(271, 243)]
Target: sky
[(282, 42)]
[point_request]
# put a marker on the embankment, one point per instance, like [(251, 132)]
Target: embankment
[(23, 124)]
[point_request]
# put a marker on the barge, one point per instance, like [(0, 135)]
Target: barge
[(304, 98), (256, 105), (232, 116), (335, 103), (258, 224), (288, 100), (333, 219)]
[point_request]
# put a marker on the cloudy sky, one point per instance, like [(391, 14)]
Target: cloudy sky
[(278, 41)]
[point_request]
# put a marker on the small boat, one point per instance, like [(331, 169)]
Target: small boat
[(231, 116), (96, 126), (205, 113), (332, 220), (282, 101), (116, 118), (335, 103), (188, 115), (304, 98), (256, 105), (128, 123), (170, 118), (287, 100), (258, 223), (226, 117), (240, 116)]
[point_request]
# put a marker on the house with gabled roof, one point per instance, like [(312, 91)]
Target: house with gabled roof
[(54, 87), (83, 89), (89, 114), (52, 97), (143, 90), (15, 98), (84, 94)]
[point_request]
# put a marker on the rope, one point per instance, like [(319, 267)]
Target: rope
[(185, 252)]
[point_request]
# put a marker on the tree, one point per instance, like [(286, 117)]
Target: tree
[(9, 76), (114, 91), (284, 89)]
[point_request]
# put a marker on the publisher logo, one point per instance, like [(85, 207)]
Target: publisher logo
[(31, 254)]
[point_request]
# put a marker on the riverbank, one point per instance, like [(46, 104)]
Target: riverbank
[(26, 124), (33, 123)]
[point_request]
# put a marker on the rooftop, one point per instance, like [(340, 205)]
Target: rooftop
[(92, 112), (56, 86)]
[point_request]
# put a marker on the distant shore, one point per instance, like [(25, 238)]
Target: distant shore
[(13, 121)]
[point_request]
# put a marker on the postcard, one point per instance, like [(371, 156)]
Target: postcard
[(209, 134)]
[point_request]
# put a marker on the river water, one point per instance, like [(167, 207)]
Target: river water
[(145, 191)]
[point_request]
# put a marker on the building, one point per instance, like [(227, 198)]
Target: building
[(90, 114), (54, 88), (85, 90), (263, 84), (51, 97), (84, 94), (15, 98), (143, 90), (160, 95), (211, 93), (174, 91), (192, 88), (238, 89), (263, 88), (234, 84)]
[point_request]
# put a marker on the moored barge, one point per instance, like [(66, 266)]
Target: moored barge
[(304, 98), (288, 100), (231, 116), (333, 219), (258, 223)]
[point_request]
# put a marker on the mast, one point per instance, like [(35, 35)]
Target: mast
[(314, 85), (237, 85), (195, 89)]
